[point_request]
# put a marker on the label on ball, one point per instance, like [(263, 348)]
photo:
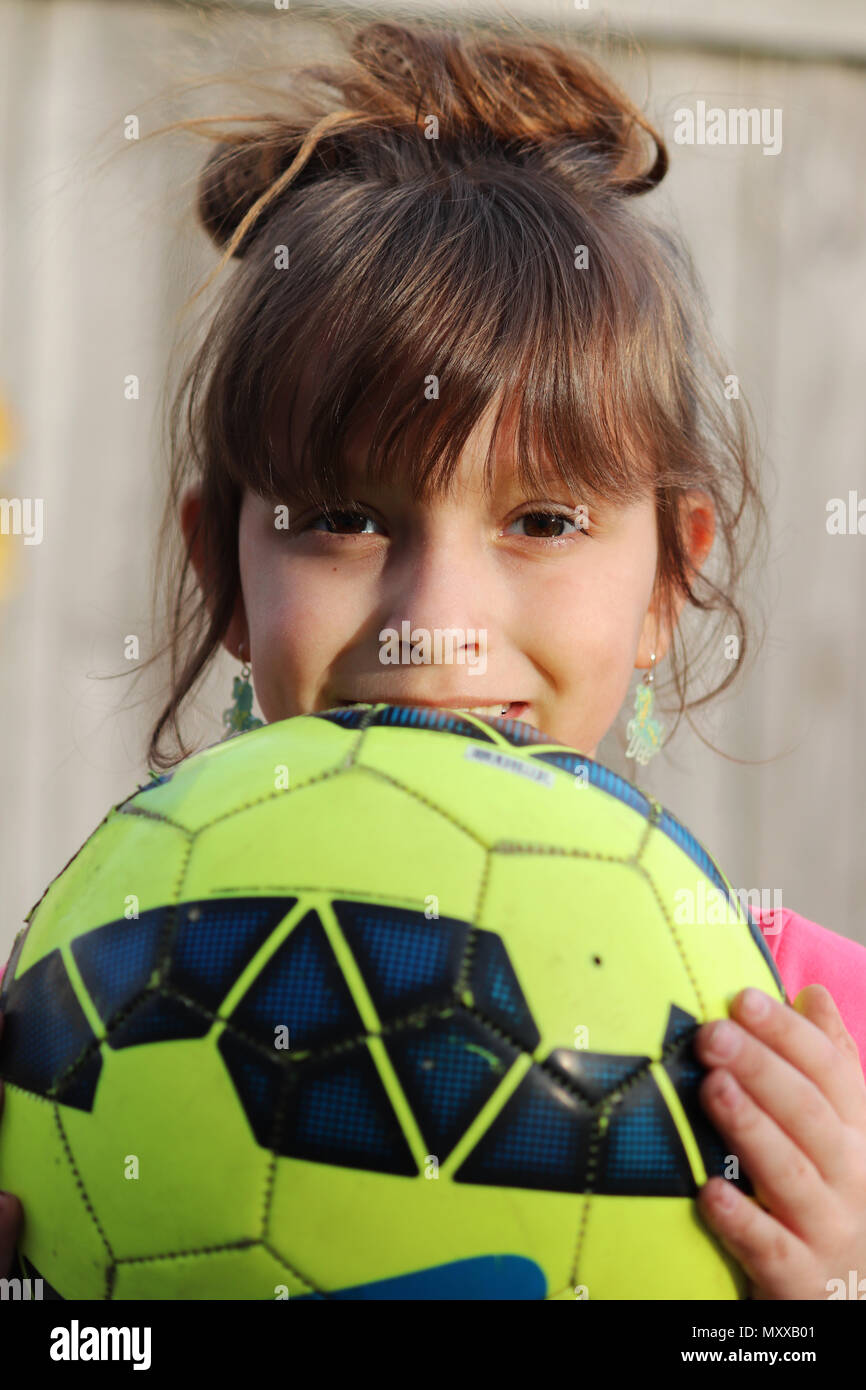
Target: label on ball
[(508, 764)]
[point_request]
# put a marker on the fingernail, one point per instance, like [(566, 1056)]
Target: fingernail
[(722, 1039), (726, 1090), (754, 1004)]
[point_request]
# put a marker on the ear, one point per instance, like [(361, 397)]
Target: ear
[(698, 525), (236, 637)]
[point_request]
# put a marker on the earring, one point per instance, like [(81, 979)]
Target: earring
[(239, 717), (643, 731)]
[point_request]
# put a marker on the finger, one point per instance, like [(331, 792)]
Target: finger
[(775, 1260), (782, 1092), (796, 1037), (816, 1003), (784, 1178)]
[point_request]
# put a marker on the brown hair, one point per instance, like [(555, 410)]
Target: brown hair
[(452, 256)]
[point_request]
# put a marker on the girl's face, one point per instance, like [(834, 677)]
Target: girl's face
[(541, 610)]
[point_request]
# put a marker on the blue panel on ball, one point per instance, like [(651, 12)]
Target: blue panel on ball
[(496, 993), (300, 988), (337, 1111), (449, 1068), (540, 1139), (640, 1152), (259, 1080), (215, 939), (45, 1033), (117, 961), (595, 1074), (407, 959), (485, 1277), (158, 1017)]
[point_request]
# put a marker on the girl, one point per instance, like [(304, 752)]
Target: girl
[(459, 380)]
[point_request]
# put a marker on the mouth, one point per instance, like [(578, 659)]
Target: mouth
[(495, 709)]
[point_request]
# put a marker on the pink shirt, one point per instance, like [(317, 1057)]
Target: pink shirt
[(806, 954)]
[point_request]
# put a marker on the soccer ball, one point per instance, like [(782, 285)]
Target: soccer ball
[(382, 1002)]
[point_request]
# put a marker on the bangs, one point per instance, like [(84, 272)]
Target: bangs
[(412, 313)]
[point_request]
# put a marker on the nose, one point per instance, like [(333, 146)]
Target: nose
[(439, 585)]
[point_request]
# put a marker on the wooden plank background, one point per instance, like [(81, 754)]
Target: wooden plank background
[(95, 263)]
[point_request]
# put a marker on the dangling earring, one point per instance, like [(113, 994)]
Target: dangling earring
[(642, 730), (239, 718)]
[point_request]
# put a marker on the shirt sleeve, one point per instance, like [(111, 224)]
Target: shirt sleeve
[(807, 954)]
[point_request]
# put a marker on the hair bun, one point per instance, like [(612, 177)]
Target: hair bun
[(491, 95), (235, 176), (513, 93)]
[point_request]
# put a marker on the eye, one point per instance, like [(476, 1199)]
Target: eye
[(352, 518), (542, 521)]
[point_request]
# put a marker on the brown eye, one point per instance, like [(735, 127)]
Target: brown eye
[(336, 523), (547, 525)]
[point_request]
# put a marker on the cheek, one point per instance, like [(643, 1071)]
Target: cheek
[(298, 625), (590, 629), (585, 638)]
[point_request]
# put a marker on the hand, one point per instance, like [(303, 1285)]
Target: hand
[(10, 1215), (797, 1121)]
